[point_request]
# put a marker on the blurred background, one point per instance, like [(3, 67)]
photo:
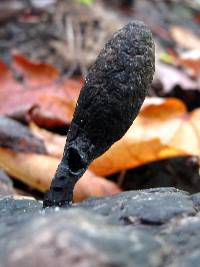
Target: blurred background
[(46, 49)]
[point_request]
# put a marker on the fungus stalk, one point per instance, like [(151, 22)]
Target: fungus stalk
[(109, 101)]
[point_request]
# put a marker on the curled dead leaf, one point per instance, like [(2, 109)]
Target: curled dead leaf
[(54, 143), (37, 171), (160, 131), (91, 185), (36, 74), (39, 95), (163, 129)]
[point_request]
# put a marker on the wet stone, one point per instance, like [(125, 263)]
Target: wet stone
[(153, 227), (196, 200), (6, 185), (153, 206), (77, 238)]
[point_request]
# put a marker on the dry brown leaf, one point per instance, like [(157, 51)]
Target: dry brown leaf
[(185, 37), (41, 96), (36, 74), (91, 185), (163, 129), (54, 143), (160, 131), (33, 169), (191, 61), (129, 153), (37, 171)]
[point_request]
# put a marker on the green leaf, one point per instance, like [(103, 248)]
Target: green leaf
[(86, 2)]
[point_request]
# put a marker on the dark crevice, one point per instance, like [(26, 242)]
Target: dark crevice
[(75, 162)]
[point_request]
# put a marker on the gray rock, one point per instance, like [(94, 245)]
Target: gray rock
[(153, 206), (75, 237), (6, 185), (196, 200), (154, 227)]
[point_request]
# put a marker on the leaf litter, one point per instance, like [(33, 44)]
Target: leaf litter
[(166, 133)]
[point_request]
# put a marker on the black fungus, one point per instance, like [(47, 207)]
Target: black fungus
[(114, 90)]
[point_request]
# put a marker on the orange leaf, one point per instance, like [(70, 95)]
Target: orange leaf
[(37, 171), (160, 131), (163, 129), (91, 185), (36, 74), (54, 143)]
